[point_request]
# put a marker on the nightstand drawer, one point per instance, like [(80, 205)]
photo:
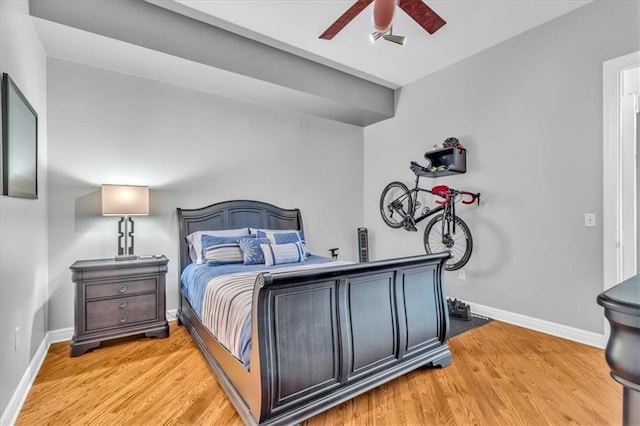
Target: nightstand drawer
[(120, 311), (123, 288)]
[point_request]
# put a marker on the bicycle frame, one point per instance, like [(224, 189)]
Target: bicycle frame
[(448, 208), (413, 193)]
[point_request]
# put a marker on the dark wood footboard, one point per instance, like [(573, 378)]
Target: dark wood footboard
[(323, 336)]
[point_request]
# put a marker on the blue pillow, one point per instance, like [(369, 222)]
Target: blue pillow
[(275, 254), (251, 251), (222, 250), (283, 237), (287, 237), (196, 252)]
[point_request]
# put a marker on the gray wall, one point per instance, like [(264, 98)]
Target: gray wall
[(529, 110), (23, 223), (192, 149)]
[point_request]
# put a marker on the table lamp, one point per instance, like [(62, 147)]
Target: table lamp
[(125, 201)]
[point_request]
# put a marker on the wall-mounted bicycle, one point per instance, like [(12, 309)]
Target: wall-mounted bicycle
[(399, 205)]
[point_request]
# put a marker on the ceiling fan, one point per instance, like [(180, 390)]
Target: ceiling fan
[(383, 11)]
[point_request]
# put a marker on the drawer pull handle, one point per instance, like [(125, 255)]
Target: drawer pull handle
[(123, 289), (123, 304), (123, 319)]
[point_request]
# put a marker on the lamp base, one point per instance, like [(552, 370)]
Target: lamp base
[(126, 257), (125, 236)]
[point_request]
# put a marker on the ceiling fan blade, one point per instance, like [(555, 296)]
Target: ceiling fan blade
[(422, 14), (346, 17)]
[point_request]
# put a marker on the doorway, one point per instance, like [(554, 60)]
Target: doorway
[(621, 88)]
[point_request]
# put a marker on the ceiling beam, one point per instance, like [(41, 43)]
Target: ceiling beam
[(338, 95)]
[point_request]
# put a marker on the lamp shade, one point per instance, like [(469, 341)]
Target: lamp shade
[(125, 200)]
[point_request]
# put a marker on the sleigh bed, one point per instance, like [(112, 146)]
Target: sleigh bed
[(319, 336)]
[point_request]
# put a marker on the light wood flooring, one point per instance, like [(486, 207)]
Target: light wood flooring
[(501, 375)]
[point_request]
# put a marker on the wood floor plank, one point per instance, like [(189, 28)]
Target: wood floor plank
[(501, 374)]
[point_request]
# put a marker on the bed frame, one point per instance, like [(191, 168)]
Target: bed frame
[(320, 337)]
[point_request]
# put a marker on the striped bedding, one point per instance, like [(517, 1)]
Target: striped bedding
[(223, 301)]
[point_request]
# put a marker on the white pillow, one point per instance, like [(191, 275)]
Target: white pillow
[(195, 244), (275, 254)]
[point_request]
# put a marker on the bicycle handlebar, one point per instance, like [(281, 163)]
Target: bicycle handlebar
[(441, 191), (446, 193), (474, 197)]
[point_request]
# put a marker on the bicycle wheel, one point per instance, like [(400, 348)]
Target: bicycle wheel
[(395, 204), (460, 243)]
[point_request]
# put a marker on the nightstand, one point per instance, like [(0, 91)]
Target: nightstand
[(115, 299)]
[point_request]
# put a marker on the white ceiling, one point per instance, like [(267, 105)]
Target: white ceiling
[(294, 25)]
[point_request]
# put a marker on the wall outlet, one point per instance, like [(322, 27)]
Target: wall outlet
[(16, 339), (462, 275), (590, 220)]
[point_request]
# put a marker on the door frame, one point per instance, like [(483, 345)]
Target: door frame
[(611, 188)]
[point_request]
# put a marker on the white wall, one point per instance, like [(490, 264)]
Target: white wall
[(529, 110), (23, 223), (192, 149)]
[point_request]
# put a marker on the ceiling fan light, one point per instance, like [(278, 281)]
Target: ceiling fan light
[(398, 39), (376, 35)]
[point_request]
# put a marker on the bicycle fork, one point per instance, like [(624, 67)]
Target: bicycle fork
[(448, 226)]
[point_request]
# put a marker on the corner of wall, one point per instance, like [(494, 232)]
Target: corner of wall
[(24, 228)]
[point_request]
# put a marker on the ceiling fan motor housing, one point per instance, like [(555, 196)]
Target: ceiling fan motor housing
[(383, 11)]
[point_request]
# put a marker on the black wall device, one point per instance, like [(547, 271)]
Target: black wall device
[(363, 245)]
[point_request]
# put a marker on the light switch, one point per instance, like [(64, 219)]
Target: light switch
[(590, 220)]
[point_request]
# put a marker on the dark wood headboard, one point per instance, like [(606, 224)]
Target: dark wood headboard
[(232, 215)]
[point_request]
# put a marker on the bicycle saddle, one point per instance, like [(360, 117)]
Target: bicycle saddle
[(418, 169)]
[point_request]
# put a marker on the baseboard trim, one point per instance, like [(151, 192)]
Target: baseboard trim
[(172, 315), (60, 335), (10, 414), (547, 327)]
